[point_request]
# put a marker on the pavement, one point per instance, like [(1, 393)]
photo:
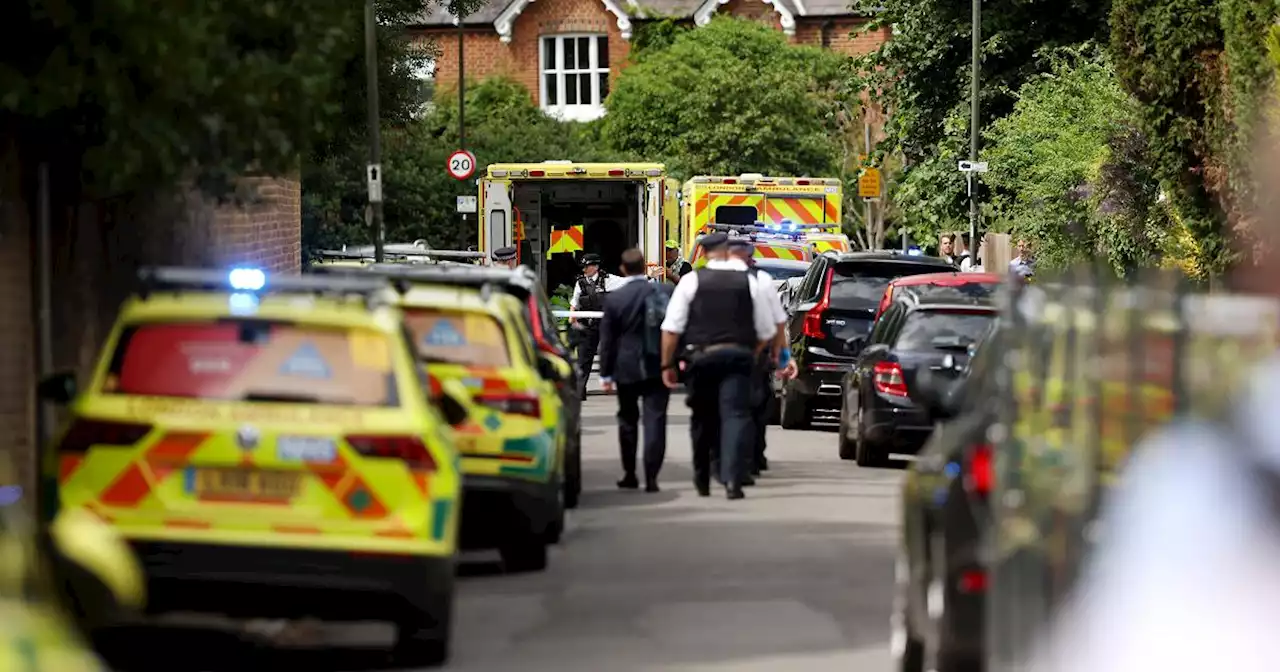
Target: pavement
[(797, 576)]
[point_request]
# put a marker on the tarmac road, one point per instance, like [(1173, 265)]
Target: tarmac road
[(798, 576)]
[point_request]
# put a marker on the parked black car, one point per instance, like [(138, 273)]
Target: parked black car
[(878, 416), (835, 302), (942, 569)]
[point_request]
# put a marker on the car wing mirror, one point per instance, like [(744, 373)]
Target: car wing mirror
[(59, 388), (455, 402)]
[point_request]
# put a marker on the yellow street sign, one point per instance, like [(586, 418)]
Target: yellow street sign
[(869, 183)]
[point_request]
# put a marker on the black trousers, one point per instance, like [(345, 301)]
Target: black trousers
[(762, 385), (720, 396), (643, 402), (588, 346)]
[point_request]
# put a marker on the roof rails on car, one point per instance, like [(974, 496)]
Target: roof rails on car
[(254, 281)]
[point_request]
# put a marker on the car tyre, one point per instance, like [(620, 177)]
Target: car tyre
[(555, 529), (793, 413), (848, 449), (865, 452), (422, 639), (573, 472), (528, 554)]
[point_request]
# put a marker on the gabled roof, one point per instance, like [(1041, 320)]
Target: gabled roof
[(501, 14)]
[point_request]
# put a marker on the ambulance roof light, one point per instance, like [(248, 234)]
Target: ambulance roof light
[(558, 161), (752, 176)]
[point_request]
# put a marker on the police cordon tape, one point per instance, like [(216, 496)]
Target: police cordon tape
[(578, 314)]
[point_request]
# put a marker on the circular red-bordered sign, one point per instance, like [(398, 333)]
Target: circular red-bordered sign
[(461, 165)]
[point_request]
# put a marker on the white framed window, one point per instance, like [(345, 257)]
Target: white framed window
[(575, 75)]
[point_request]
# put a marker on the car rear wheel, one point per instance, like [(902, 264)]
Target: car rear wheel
[(556, 529), (527, 554), (868, 454), (794, 413), (573, 473), (422, 638), (848, 449)]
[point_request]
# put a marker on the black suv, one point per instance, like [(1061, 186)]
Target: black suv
[(915, 334), (834, 304)]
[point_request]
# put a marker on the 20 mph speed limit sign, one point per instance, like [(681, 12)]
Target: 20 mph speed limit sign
[(462, 164)]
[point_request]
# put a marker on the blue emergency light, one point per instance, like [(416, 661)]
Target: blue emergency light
[(788, 225), (914, 251), (247, 279)]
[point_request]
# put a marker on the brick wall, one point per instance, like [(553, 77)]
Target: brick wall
[(839, 34), (97, 249), (486, 55)]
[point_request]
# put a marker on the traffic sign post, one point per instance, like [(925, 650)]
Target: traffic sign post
[(972, 166), (374, 174), (467, 204), (869, 183), (461, 165)]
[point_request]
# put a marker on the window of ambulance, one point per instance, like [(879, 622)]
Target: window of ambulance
[(458, 337), (254, 361), (737, 215)]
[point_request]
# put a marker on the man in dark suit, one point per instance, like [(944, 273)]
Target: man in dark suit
[(635, 371)]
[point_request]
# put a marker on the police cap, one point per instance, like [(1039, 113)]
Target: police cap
[(504, 253), (714, 241), (590, 259), (741, 243)]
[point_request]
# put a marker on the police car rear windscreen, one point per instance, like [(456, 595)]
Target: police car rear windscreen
[(456, 337), (254, 361)]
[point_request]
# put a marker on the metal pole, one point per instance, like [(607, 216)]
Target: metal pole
[(45, 495), (866, 203), (462, 85), (375, 134), (974, 129)]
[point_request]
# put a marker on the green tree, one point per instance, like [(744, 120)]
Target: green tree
[(123, 96), (503, 125), (1069, 167), (921, 77), (729, 98)]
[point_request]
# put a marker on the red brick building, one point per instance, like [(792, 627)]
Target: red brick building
[(567, 52)]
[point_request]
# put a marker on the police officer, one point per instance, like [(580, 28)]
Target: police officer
[(588, 295), (741, 248), (718, 320), (505, 257)]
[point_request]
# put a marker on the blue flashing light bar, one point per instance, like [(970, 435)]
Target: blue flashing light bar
[(914, 251), (247, 279)]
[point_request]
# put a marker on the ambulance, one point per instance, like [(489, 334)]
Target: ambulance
[(788, 204), (555, 211)]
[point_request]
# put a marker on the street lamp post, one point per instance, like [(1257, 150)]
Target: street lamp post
[(974, 129), (375, 134)]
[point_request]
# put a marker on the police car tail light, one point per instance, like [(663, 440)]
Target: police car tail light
[(888, 379), (85, 434), (410, 449), (515, 403), (978, 476), (813, 319)]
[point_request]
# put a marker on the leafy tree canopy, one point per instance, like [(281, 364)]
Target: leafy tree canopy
[(503, 125), (134, 95), (728, 98)]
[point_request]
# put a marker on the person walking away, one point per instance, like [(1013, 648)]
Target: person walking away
[(742, 249), (505, 257), (718, 319), (676, 266), (588, 295), (631, 362)]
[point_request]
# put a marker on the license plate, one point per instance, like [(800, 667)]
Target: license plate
[(305, 449), (246, 484)]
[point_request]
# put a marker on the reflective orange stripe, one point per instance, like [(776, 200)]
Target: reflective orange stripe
[(189, 524), (346, 486), (296, 529)]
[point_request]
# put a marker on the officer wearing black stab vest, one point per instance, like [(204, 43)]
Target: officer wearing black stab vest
[(588, 295), (718, 320)]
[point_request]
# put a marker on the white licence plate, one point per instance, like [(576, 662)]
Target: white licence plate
[(305, 449)]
